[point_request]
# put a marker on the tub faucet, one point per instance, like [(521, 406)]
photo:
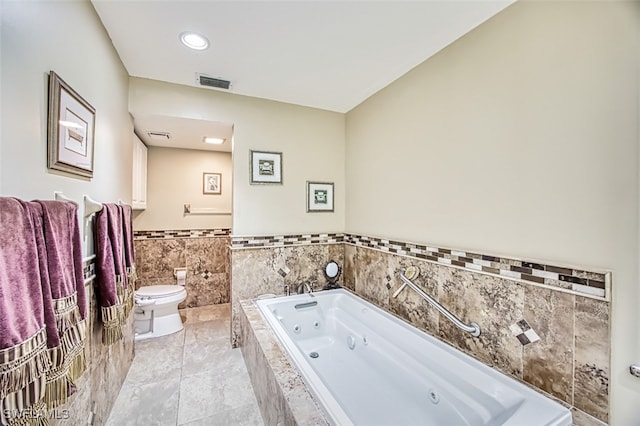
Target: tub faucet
[(287, 292), (302, 286)]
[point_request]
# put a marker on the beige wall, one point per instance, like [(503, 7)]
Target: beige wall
[(36, 38), (174, 178), (311, 140), (521, 139)]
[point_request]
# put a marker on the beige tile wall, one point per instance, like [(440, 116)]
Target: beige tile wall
[(206, 259), (107, 368), (257, 271), (570, 361)]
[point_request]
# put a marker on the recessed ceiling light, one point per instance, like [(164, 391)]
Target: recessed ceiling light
[(214, 141), (194, 40)]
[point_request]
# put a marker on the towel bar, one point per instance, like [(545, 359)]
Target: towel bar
[(91, 206), (203, 210), (59, 196)]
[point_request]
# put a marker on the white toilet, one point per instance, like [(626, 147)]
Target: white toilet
[(156, 311)]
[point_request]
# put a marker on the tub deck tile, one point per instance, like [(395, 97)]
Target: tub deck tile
[(282, 395)]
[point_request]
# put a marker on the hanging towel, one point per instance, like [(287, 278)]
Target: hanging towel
[(111, 275), (24, 305), (127, 222), (129, 256), (63, 249)]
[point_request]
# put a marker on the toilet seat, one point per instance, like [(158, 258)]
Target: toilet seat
[(159, 291)]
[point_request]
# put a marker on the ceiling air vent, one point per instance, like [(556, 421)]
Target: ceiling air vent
[(159, 135), (217, 83)]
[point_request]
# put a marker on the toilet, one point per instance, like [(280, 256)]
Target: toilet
[(156, 311)]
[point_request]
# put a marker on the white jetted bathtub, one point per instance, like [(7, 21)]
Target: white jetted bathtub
[(367, 367)]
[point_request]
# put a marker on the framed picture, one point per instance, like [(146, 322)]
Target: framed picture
[(319, 197), (212, 183), (71, 125), (266, 167)]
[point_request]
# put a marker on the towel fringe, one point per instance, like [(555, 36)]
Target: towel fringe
[(132, 274), (127, 303), (68, 359), (125, 294), (67, 313), (57, 390), (112, 324), (23, 364), (77, 366), (111, 334), (61, 380)]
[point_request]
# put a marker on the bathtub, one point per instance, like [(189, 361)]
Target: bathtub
[(367, 367)]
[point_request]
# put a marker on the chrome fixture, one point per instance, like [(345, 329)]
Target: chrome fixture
[(302, 287), (305, 305), (287, 292), (635, 370), (472, 328), (410, 273)]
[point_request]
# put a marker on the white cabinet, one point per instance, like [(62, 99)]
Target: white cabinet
[(139, 197)]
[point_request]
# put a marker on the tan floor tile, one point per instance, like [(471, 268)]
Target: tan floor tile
[(190, 376)]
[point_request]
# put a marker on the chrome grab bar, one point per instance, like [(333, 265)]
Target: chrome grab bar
[(472, 328)]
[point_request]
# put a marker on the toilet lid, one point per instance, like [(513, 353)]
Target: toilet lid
[(159, 290)]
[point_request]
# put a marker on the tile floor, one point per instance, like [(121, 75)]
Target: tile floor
[(188, 378)]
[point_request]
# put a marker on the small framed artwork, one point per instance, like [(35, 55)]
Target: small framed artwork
[(71, 124), (319, 197), (266, 167), (212, 183)]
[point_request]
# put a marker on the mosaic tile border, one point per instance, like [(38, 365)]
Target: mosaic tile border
[(88, 268), (184, 233), (244, 242), (595, 284), (581, 281)]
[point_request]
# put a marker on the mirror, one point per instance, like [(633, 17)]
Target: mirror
[(332, 273), (332, 270)]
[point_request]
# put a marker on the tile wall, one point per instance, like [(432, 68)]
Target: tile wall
[(205, 254), (107, 368), (547, 325), (279, 262)]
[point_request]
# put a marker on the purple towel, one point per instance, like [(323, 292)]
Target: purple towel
[(63, 253), (110, 267), (129, 254), (114, 295), (35, 212), (22, 313), (126, 214), (24, 306)]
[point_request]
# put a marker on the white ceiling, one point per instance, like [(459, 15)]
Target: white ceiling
[(324, 54), (184, 133)]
